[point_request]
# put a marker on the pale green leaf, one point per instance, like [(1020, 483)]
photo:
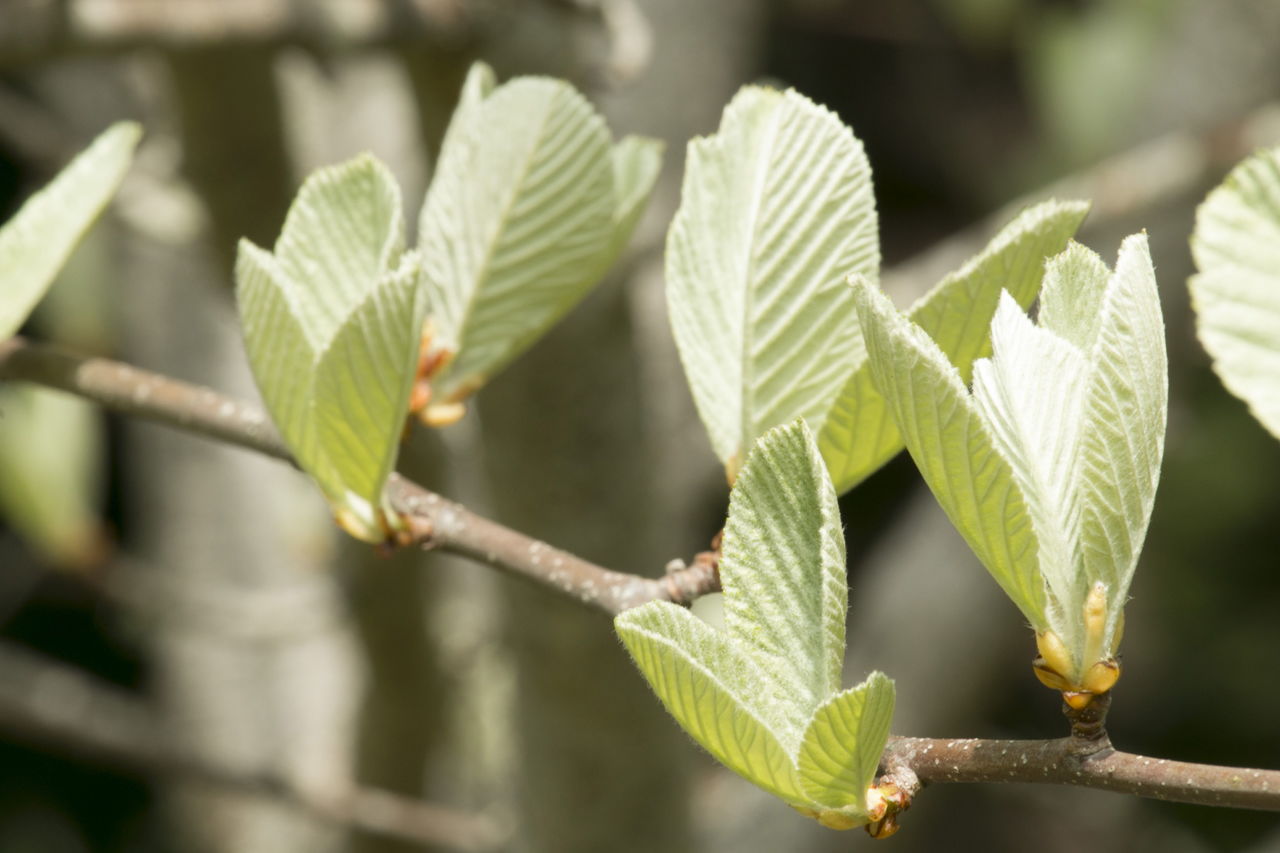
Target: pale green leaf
[(1236, 294), (782, 569), (362, 387), (1124, 414), (953, 448), (712, 689), (515, 223), (51, 450), (844, 743), (332, 323), (1029, 394), (38, 240), (636, 163), (776, 210), (859, 435), (343, 231)]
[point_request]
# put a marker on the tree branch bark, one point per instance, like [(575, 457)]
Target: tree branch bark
[(1085, 759), (436, 522)]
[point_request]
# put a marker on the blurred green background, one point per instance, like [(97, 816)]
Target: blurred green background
[(198, 596)]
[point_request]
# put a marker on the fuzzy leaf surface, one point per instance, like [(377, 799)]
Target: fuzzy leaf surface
[(713, 690), (844, 742), (521, 219), (776, 210), (859, 434), (1236, 294), (782, 569), (953, 448), (37, 241), (332, 320)]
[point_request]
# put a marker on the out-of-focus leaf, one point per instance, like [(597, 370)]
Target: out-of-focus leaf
[(1236, 294), (37, 241), (332, 322)]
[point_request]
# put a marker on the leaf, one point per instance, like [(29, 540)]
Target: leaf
[(50, 472), (38, 240), (1049, 469), (844, 742), (763, 694), (859, 435), (521, 220), (1124, 419), (1236, 294), (776, 210), (713, 691), (953, 449), (782, 569), (636, 162), (332, 322)]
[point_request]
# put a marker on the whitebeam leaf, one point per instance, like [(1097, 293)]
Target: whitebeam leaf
[(713, 690), (1049, 468), (36, 243), (776, 210), (782, 569), (1236, 294), (332, 323), (953, 448), (859, 435), (763, 696), (529, 205), (844, 742)]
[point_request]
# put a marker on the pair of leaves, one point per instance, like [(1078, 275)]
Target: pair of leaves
[(776, 212), (529, 206), (1236, 294), (332, 322), (763, 695), (1049, 467)]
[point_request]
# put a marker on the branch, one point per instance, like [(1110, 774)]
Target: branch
[(435, 521), (1076, 761), (1086, 758), (73, 713)]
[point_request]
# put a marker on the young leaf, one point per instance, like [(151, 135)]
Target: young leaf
[(858, 435), (763, 696), (782, 571), (38, 240), (953, 448), (1049, 468), (843, 743), (529, 205), (1236, 294), (776, 210), (332, 322), (713, 690)]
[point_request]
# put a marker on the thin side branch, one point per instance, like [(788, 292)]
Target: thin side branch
[(73, 713), (436, 522)]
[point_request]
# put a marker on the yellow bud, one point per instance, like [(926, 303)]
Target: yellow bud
[(1047, 676), (1054, 654), (1095, 623), (1077, 699), (1102, 676), (442, 414)]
